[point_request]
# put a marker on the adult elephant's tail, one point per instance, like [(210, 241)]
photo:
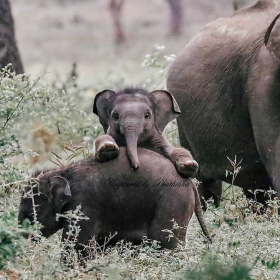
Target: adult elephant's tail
[(199, 215)]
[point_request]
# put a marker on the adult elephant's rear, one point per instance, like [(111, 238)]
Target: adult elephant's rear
[(227, 84)]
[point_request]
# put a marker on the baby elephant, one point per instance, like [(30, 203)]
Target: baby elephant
[(116, 200), (135, 118)]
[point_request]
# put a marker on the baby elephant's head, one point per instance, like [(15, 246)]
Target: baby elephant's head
[(133, 115), (46, 196)]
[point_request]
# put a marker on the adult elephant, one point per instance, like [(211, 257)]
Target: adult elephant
[(227, 84)]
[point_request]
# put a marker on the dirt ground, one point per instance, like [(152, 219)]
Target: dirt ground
[(52, 34)]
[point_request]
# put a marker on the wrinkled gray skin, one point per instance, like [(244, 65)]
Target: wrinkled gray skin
[(135, 118), (116, 199), (227, 84), (8, 46)]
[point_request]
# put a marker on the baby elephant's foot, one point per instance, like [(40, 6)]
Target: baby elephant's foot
[(187, 168), (106, 151)]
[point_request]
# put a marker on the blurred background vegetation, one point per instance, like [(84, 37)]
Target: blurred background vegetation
[(53, 34)]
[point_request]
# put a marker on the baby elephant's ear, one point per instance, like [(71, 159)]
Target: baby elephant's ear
[(60, 193), (101, 106), (166, 108), (272, 38)]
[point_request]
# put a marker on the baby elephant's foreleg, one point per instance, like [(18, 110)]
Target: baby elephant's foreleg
[(106, 148), (184, 162)]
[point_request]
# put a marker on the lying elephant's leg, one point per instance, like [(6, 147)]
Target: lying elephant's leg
[(81, 246), (106, 148), (184, 162), (169, 226), (168, 238)]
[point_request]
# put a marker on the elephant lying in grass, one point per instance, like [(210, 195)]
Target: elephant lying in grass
[(116, 199), (227, 84)]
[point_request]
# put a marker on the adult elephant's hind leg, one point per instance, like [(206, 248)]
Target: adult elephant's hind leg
[(261, 196), (208, 189)]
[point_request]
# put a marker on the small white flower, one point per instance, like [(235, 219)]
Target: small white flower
[(168, 58), (87, 139), (159, 48), (144, 64)]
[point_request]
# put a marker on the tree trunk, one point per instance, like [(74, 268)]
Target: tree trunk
[(8, 46), (115, 8), (176, 16)]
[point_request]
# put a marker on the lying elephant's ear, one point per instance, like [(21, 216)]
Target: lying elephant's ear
[(166, 108), (101, 106), (272, 38), (60, 193)]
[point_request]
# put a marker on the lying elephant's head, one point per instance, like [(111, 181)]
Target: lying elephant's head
[(45, 198), (132, 116)]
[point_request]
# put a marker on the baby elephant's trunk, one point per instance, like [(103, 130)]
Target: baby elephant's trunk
[(131, 142)]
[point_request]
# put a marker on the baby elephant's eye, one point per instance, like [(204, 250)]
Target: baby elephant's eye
[(115, 116), (147, 115)]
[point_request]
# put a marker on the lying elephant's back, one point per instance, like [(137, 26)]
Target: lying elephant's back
[(155, 175), (149, 165), (127, 198)]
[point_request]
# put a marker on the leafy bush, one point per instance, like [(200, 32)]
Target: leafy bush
[(12, 239), (213, 269), (25, 102)]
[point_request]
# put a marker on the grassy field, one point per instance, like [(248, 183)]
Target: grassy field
[(46, 120)]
